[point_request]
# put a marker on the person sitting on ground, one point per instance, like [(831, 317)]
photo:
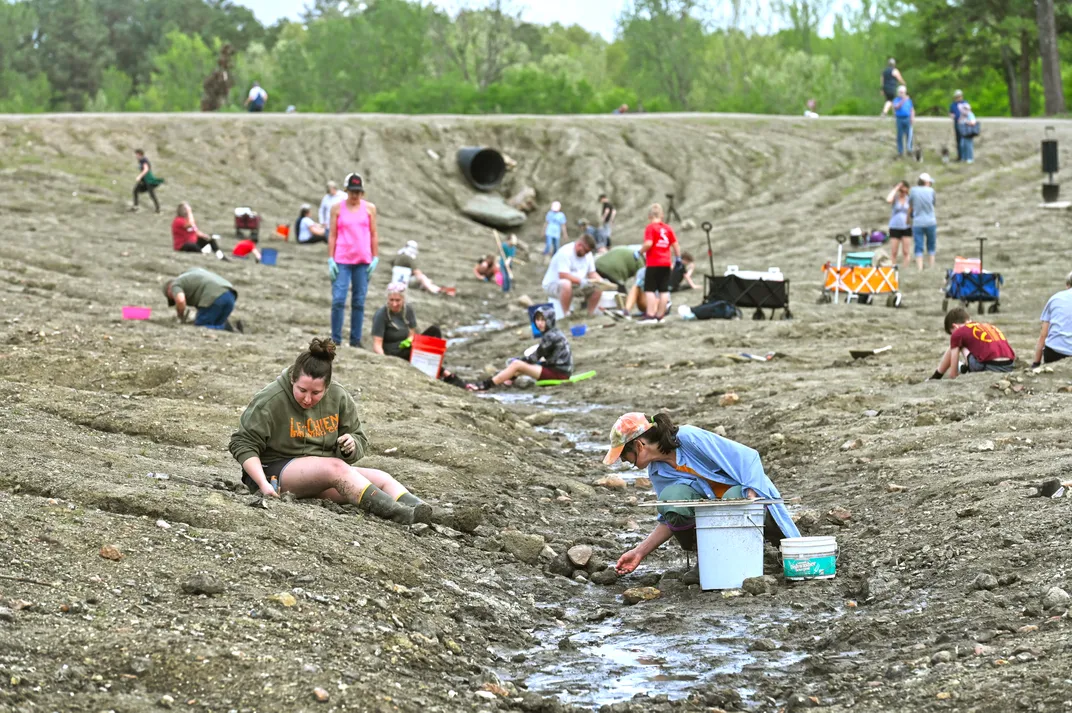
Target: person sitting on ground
[(406, 260), (659, 243), (689, 463), (1055, 336), (982, 346), (681, 275), (550, 359), (487, 270), (145, 181), (572, 271), (187, 238), (307, 229), (301, 434), (213, 296), (395, 325)]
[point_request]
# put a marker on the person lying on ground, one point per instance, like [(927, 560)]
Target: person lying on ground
[(982, 347), (681, 275), (689, 463), (407, 259), (301, 434), (244, 248), (187, 238), (145, 181), (307, 229), (660, 249), (572, 272), (550, 359), (1055, 336), (487, 270), (213, 297), (395, 325)]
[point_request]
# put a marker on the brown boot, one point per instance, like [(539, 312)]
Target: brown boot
[(380, 504)]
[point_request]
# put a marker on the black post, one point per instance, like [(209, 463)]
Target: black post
[(710, 253), (981, 241)]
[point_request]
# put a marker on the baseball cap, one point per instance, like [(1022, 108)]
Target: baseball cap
[(355, 183), (926, 177), (627, 428)]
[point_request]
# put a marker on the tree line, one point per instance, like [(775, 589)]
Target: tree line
[(402, 56)]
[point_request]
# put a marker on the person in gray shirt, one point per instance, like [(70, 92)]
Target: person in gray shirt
[(921, 200)]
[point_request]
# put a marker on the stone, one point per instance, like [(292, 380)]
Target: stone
[(763, 644), (798, 701), (524, 200), (985, 581), (203, 584), (851, 445), (926, 419), (467, 519), (140, 664), (838, 516), (111, 552), (445, 531), (605, 577), (285, 599), (611, 482), (579, 555), (759, 585), (320, 695), (526, 548), (493, 211), (985, 446), (1055, 597), (595, 564), (807, 520), (942, 657), (166, 701), (720, 431), (6, 615), (561, 565), (635, 595), (895, 488), (871, 413), (642, 483), (419, 528), (691, 577), (547, 554), (728, 399), (541, 418), (878, 587), (777, 438), (163, 524)]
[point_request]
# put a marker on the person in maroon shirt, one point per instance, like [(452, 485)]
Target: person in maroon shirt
[(983, 347)]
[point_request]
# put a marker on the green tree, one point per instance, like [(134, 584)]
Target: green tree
[(664, 42), (72, 47), (178, 74)]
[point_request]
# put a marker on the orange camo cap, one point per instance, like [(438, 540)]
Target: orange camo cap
[(627, 428)]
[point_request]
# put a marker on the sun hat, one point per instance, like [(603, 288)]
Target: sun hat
[(627, 428), (556, 206), (411, 244), (926, 177), (355, 183)]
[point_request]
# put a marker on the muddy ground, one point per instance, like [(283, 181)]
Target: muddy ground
[(943, 596)]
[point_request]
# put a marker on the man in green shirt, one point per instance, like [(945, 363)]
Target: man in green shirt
[(619, 265), (212, 296)]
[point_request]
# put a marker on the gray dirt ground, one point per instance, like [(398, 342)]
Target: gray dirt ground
[(387, 619)]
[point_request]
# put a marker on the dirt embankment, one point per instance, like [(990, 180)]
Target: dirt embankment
[(949, 576)]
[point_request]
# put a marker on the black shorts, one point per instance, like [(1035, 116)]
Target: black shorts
[(1051, 355), (891, 94), (900, 232), (274, 468), (657, 279)]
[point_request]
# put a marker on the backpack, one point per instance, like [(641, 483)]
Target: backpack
[(970, 130), (719, 309)]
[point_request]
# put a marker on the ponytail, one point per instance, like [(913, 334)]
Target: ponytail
[(663, 433)]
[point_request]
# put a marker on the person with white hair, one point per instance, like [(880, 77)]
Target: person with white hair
[(308, 230), (404, 268), (333, 196), (905, 113), (891, 79), (1055, 336), (921, 201), (554, 229)]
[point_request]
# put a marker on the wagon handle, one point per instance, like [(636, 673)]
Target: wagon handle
[(981, 241), (706, 225)]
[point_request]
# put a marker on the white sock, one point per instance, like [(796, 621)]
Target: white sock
[(207, 249), (219, 254)]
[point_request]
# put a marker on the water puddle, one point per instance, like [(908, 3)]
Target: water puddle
[(486, 323), (613, 661)]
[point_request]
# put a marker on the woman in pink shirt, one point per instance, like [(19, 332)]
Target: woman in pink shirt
[(353, 247)]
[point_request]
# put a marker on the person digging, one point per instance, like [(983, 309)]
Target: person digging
[(973, 347)]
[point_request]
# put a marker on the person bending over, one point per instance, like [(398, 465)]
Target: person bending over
[(213, 297), (301, 434), (187, 238), (1055, 336), (689, 463), (550, 359), (681, 275), (981, 346)]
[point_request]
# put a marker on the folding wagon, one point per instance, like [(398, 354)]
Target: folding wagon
[(758, 290), (968, 282), (248, 220), (859, 280)]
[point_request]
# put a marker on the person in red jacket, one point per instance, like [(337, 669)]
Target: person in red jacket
[(982, 346), (660, 244), (186, 237)]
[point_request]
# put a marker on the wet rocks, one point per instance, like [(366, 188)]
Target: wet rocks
[(605, 577), (526, 548), (1055, 597), (984, 581), (610, 482), (636, 595), (111, 552), (203, 584), (579, 555), (763, 644), (541, 418), (561, 565), (467, 519)]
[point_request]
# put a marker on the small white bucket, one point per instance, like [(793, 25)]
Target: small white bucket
[(729, 544), (809, 557), (607, 300)]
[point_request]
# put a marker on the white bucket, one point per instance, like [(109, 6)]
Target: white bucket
[(809, 557), (559, 314), (607, 300), (729, 544), (401, 274)]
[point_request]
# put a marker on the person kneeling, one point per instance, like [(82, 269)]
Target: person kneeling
[(983, 347), (301, 435), (689, 463), (550, 359), (395, 325)]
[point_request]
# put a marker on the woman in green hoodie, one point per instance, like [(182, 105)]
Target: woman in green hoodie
[(301, 435)]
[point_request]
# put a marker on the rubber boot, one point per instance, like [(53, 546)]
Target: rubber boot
[(380, 504), (422, 511)]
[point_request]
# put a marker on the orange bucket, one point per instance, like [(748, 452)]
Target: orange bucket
[(282, 231), (427, 354)]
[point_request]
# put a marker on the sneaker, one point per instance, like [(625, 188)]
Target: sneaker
[(239, 327), (648, 320)]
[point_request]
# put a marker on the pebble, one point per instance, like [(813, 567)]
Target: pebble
[(605, 577), (163, 524), (851, 445), (985, 581), (636, 595), (720, 431), (203, 584), (283, 598), (807, 520), (798, 701), (895, 488), (728, 399), (579, 555), (419, 528), (320, 695), (166, 701), (777, 438), (6, 614), (547, 554), (764, 645), (642, 483), (1055, 597), (111, 552), (838, 516), (542, 418), (942, 657), (871, 413), (611, 482), (759, 585), (985, 446)]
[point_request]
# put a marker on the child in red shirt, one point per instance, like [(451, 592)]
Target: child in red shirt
[(983, 347), (659, 243)]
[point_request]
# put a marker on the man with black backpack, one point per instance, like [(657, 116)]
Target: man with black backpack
[(257, 98)]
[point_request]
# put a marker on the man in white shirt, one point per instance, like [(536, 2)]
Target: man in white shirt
[(572, 271), (333, 196), (257, 98)]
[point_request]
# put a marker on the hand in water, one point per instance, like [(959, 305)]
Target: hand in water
[(628, 562)]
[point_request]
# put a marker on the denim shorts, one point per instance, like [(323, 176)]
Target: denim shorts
[(930, 233)]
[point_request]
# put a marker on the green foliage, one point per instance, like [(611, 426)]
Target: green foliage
[(177, 76)]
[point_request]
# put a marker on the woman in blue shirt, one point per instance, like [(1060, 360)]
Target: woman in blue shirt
[(689, 463), (905, 113)]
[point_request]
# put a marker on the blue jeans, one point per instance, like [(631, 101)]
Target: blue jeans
[(215, 315), (967, 148), (550, 245), (930, 233), (357, 276), (904, 134)]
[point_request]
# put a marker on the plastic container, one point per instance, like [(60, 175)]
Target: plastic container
[(809, 557), (967, 264), (532, 322), (269, 256), (607, 301), (137, 312), (579, 330), (427, 354), (283, 232), (729, 544), (484, 168)]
